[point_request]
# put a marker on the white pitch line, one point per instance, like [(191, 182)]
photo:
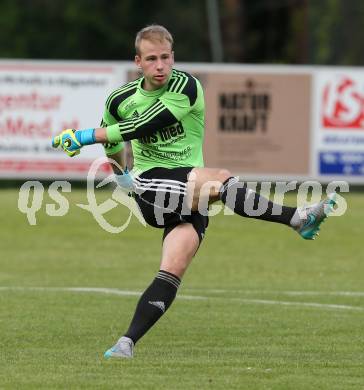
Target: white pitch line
[(332, 293), (114, 291), (278, 292), (306, 304)]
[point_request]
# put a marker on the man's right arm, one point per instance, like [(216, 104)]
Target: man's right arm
[(165, 111), (114, 150)]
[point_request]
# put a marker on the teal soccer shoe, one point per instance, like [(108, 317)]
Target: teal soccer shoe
[(313, 216), (123, 349)]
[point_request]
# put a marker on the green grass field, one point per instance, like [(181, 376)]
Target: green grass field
[(259, 307)]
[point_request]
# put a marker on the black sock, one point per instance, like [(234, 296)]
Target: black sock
[(154, 302), (250, 204)]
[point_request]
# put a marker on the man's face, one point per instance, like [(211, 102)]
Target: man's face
[(156, 60)]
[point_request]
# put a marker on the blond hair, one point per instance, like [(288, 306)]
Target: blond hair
[(153, 32)]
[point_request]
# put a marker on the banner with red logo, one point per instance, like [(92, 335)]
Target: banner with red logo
[(40, 99), (339, 123)]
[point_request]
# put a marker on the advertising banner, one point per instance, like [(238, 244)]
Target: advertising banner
[(339, 124), (258, 124), (37, 101), (262, 122)]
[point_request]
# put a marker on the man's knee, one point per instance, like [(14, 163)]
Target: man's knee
[(207, 185), (223, 175), (175, 264)]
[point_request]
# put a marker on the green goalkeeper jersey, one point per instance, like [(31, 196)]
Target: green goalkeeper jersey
[(165, 126)]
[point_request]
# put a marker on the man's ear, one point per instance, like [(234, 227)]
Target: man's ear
[(137, 60), (172, 57)]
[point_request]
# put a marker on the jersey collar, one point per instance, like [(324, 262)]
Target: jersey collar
[(156, 92)]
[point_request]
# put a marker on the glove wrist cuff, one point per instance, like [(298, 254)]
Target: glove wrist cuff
[(85, 137)]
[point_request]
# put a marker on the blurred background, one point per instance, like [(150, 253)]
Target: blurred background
[(323, 32), (283, 82)]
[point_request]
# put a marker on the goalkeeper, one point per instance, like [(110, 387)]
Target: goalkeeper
[(162, 114)]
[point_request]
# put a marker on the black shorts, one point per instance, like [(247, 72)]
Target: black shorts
[(161, 194)]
